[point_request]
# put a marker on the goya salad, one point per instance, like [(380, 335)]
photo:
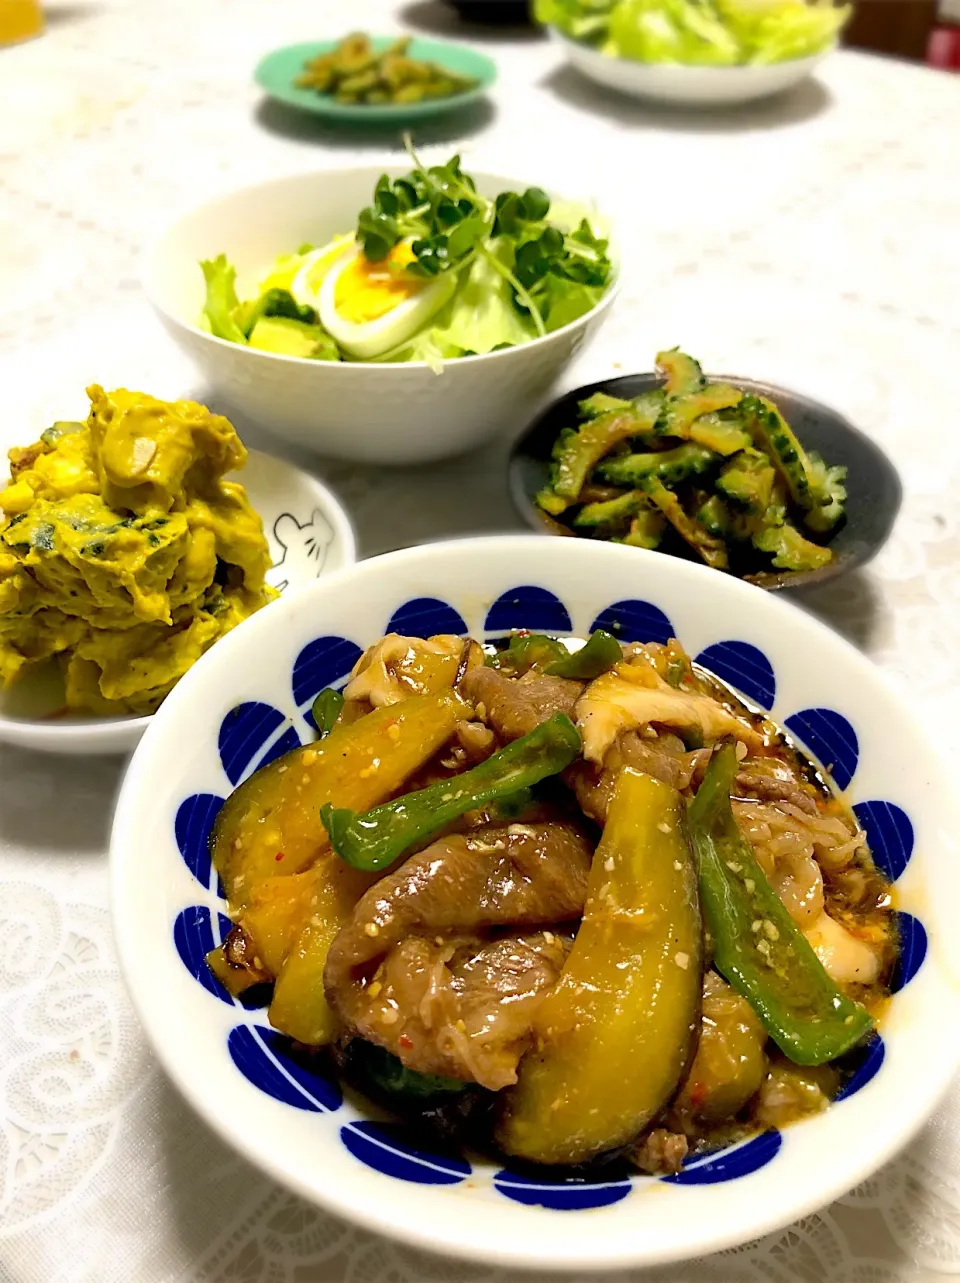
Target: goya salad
[(699, 32), (432, 271), (697, 466)]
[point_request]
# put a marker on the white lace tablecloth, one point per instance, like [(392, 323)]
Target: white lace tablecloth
[(814, 241)]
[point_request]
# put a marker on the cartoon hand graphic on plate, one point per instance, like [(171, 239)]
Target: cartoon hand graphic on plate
[(305, 547)]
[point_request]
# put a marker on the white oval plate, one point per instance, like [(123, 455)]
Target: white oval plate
[(686, 85), (309, 534)]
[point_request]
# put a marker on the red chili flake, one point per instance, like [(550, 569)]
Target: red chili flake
[(405, 1041), (278, 856)]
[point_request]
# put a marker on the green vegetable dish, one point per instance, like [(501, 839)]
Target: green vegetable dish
[(712, 33), (696, 467), (354, 72), (432, 271), (566, 900)]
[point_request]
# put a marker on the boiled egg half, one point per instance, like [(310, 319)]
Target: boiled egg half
[(370, 308), (314, 269)]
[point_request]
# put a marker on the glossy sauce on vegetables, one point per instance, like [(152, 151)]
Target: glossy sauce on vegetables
[(511, 901)]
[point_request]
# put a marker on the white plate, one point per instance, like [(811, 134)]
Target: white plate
[(687, 85), (247, 700), (309, 534)]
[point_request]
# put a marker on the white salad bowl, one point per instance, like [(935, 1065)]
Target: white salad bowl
[(685, 84), (308, 533), (392, 413), (247, 700)]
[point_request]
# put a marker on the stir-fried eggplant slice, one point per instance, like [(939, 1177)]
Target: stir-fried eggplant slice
[(270, 826), (618, 1033), (267, 926), (730, 1063), (299, 1007)]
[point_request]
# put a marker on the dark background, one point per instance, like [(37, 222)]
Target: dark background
[(898, 27)]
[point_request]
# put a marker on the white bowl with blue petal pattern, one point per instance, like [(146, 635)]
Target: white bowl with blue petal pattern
[(247, 700)]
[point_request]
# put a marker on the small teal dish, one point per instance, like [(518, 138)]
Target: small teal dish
[(277, 74)]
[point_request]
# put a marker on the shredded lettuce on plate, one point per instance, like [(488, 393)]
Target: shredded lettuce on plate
[(480, 317), (699, 32), (778, 30)]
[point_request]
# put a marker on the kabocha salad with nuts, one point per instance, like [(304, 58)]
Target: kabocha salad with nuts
[(125, 554), (432, 271), (565, 900), (698, 467)]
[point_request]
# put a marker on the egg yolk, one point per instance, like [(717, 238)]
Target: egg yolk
[(366, 291)]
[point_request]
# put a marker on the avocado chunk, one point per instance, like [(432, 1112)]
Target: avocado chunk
[(287, 337)]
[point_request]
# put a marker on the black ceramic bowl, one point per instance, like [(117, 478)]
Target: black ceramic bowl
[(873, 486), (498, 13)]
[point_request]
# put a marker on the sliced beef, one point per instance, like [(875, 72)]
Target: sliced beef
[(462, 1007), (663, 757), (493, 876), (516, 706), (660, 1152), (772, 780), (396, 973)]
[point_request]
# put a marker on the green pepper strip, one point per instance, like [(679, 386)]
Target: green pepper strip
[(373, 840), (326, 710), (597, 656), (758, 947), (527, 650)]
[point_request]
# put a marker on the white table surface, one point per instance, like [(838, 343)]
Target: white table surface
[(813, 241)]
